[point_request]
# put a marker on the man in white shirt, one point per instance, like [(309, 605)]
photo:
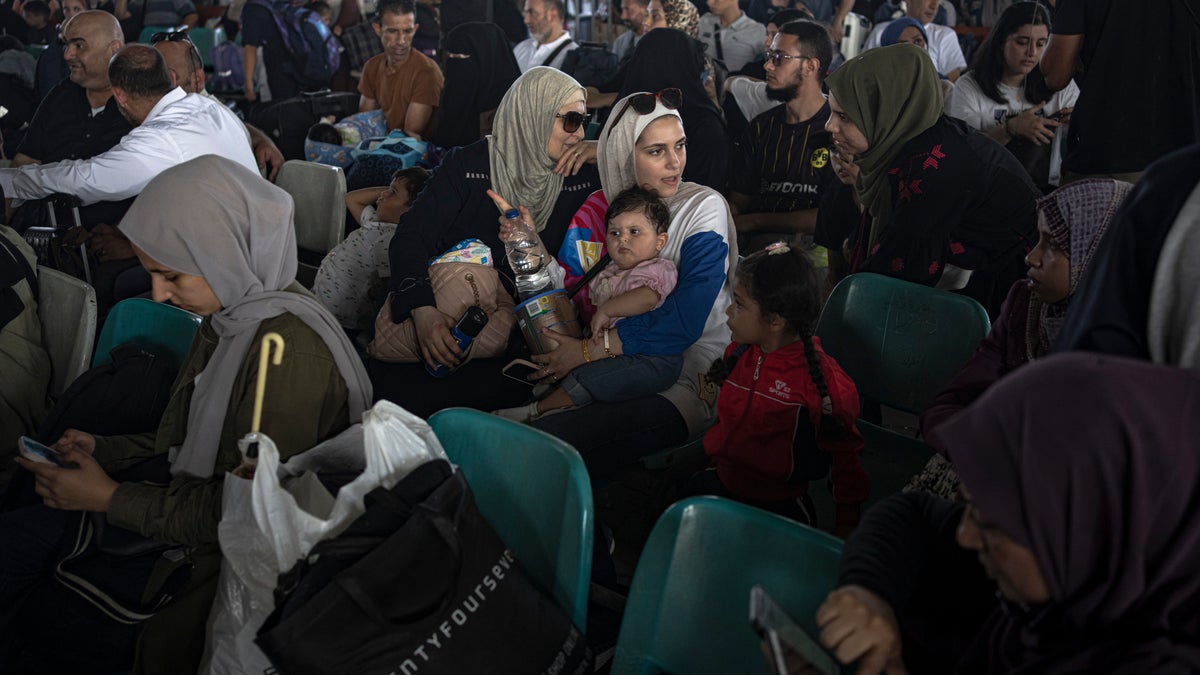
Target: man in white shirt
[(942, 41), (731, 37), (548, 42), (170, 127), (187, 72), (633, 14)]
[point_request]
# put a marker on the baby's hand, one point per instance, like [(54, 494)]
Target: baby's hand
[(599, 323)]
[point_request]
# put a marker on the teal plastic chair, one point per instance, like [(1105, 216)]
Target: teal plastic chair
[(154, 327), (688, 608), (901, 343), (205, 39), (149, 31), (534, 490)]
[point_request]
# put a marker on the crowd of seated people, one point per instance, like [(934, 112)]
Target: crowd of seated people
[(696, 251)]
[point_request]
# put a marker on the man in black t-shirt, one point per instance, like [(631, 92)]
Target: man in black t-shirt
[(1139, 98), (785, 151), (79, 118), (259, 30)]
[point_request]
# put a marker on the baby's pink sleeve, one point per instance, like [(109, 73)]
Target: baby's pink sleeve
[(658, 274)]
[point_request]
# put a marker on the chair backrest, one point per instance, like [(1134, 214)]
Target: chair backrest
[(67, 310), (154, 327), (688, 608), (319, 192), (535, 492), (900, 342)]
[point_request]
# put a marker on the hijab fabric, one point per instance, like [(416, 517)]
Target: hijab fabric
[(892, 95), (213, 218), (891, 34), (476, 84), (1077, 216), (1089, 461), (1173, 328), (681, 15), (618, 142), (522, 172)]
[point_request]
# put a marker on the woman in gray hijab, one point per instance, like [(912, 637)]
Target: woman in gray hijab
[(217, 240), (534, 158)]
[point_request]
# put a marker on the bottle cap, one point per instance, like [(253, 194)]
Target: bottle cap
[(512, 213)]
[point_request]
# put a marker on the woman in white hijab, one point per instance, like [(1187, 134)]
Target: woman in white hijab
[(217, 240), (643, 143), (535, 158)]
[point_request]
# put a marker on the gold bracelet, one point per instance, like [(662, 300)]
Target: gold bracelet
[(587, 358), (606, 348)]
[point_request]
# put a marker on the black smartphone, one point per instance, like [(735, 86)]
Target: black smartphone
[(520, 370), (788, 648)]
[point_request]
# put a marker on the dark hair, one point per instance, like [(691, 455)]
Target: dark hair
[(140, 71), (814, 41), (786, 16), (319, 6), (9, 42), (988, 65), (785, 283), (397, 7), (36, 8), (640, 199), (323, 132), (414, 178)]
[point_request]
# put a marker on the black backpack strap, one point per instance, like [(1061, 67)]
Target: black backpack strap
[(557, 50), (589, 275)]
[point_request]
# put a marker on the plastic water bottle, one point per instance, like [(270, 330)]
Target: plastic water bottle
[(526, 257), (465, 331)]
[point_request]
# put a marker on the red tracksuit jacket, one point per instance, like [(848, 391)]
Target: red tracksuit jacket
[(764, 444)]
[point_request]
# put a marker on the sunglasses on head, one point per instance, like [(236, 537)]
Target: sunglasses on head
[(777, 57), (573, 120), (170, 36), (644, 103)]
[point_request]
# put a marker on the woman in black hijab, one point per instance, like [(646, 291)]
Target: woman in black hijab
[(479, 67), (667, 58)]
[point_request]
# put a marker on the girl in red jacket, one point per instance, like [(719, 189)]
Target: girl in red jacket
[(786, 410)]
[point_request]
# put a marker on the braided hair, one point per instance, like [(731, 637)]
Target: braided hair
[(783, 281)]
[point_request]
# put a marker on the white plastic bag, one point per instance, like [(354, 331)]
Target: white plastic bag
[(270, 522)]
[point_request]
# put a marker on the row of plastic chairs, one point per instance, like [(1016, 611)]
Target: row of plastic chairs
[(204, 39)]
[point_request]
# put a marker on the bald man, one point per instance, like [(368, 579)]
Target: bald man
[(187, 72), (79, 118)]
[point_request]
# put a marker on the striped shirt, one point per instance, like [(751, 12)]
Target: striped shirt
[(784, 167)]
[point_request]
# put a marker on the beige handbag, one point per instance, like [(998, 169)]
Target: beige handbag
[(456, 286)]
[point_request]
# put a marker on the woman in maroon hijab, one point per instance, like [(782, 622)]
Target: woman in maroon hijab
[(1079, 473)]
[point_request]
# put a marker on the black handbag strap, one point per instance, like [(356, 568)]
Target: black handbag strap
[(557, 50), (23, 263), (589, 275)]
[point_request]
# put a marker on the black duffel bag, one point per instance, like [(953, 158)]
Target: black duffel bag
[(419, 583), (287, 122)]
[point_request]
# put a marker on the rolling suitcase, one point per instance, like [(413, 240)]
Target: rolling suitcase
[(287, 121), (47, 239)]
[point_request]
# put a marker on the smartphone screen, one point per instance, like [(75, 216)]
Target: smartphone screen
[(37, 452)]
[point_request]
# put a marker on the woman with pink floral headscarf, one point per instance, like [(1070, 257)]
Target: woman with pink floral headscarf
[(1071, 223)]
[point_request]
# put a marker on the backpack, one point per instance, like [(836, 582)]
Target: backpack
[(313, 47), (591, 64), (228, 66)]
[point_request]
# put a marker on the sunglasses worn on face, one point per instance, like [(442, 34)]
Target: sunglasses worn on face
[(643, 104), (777, 57), (573, 120)]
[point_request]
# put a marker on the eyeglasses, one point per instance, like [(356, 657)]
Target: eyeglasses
[(170, 36), (643, 104), (573, 120), (777, 57)]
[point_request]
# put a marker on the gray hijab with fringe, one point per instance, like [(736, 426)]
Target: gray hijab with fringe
[(522, 171), (214, 218)]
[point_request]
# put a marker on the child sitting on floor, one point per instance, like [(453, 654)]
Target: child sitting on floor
[(635, 282), (786, 411)]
